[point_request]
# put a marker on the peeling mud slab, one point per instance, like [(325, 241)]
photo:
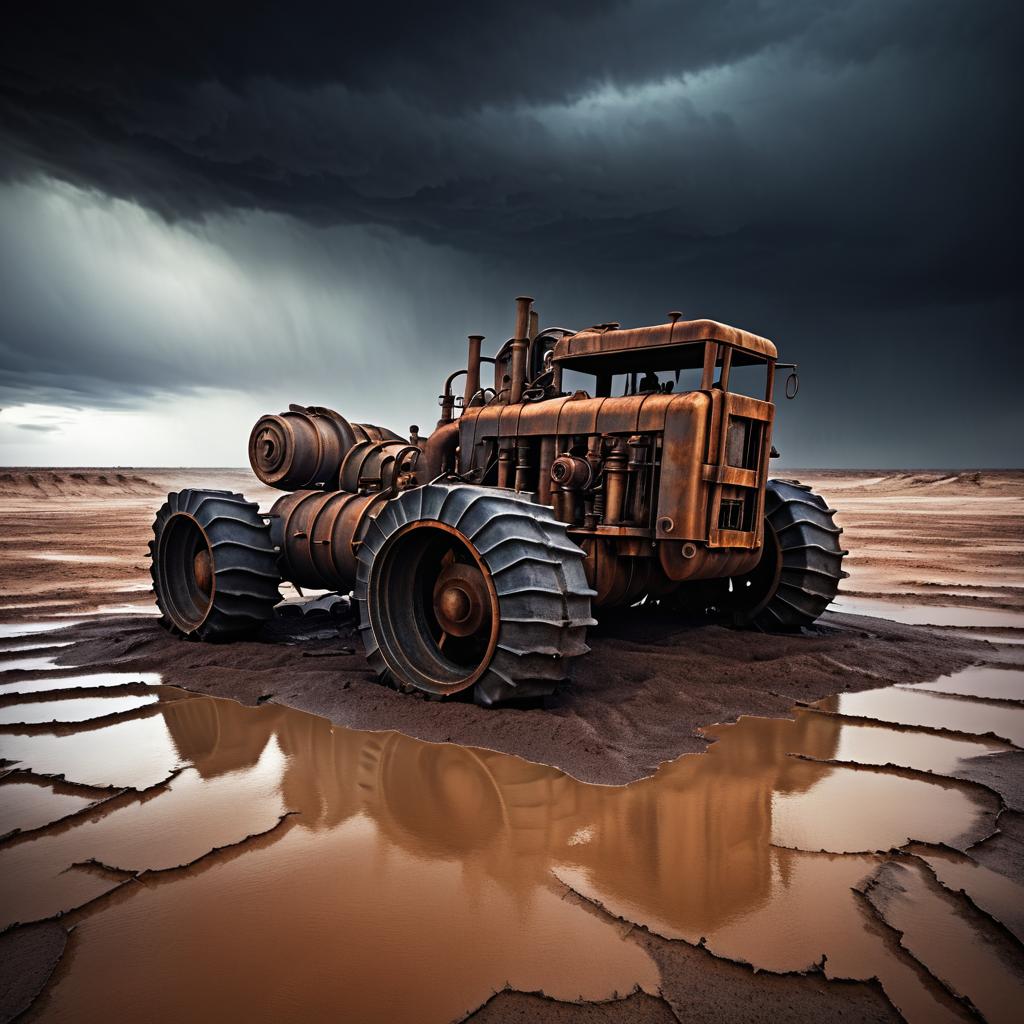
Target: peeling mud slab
[(28, 956), (957, 945), (993, 893), (510, 1007)]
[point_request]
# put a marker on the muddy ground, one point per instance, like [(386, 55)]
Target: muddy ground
[(925, 547)]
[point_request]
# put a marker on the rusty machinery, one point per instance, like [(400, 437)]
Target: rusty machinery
[(477, 555)]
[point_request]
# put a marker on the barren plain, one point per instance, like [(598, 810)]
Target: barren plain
[(707, 825)]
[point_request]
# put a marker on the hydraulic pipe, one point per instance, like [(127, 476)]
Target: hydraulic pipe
[(520, 342), (439, 452), (448, 399), (472, 369)]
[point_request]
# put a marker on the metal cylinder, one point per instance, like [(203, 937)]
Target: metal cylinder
[(299, 448), (304, 447), (547, 458), (472, 369), (520, 342), (314, 534), (614, 486), (505, 463), (523, 466), (572, 472), (376, 464)]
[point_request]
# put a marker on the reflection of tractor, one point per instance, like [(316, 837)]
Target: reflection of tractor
[(477, 554), (691, 845)]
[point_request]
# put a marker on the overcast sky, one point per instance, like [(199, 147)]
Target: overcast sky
[(207, 213)]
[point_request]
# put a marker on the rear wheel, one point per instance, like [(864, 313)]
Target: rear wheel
[(465, 588), (214, 567)]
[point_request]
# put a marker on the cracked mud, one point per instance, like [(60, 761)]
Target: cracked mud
[(858, 853), (356, 842)]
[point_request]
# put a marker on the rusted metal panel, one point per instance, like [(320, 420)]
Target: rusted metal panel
[(446, 543), (682, 493), (315, 533), (665, 346), (657, 486)]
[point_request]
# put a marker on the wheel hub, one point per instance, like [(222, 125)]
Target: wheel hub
[(202, 567), (461, 601)]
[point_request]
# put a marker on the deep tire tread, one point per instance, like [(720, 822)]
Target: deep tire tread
[(811, 556), (245, 563), (537, 572)]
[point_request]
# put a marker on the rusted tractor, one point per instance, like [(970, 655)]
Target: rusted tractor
[(597, 469)]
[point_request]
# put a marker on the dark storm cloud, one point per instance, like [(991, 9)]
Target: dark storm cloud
[(470, 123), (841, 176)]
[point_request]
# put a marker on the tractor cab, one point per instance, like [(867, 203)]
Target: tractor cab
[(648, 357)]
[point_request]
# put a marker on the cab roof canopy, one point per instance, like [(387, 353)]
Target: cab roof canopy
[(678, 346)]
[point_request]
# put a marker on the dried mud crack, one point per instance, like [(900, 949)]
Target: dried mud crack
[(221, 825)]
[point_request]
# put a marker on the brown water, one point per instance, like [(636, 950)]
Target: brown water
[(927, 615), (274, 866), (939, 932), (917, 707), (982, 681)]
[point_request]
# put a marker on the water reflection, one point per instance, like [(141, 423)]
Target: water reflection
[(443, 859)]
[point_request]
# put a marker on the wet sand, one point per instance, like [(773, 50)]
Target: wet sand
[(846, 842)]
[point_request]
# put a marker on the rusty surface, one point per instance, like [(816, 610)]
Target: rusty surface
[(314, 533), (305, 446), (661, 483)]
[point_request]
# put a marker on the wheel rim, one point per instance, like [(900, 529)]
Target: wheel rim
[(434, 608), (187, 582)]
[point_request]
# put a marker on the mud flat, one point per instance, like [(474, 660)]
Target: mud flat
[(846, 843)]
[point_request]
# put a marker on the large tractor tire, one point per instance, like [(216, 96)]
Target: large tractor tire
[(799, 572), (214, 566), (465, 588)]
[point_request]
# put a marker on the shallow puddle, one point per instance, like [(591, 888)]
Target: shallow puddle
[(329, 856), (78, 710), (995, 894), (33, 645), (35, 664), (945, 935), (133, 754), (926, 614), (16, 629), (26, 805), (147, 608), (59, 682), (917, 707), (984, 681), (73, 556)]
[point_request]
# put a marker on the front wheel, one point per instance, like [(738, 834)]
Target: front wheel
[(797, 576), (470, 588), (214, 566)]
